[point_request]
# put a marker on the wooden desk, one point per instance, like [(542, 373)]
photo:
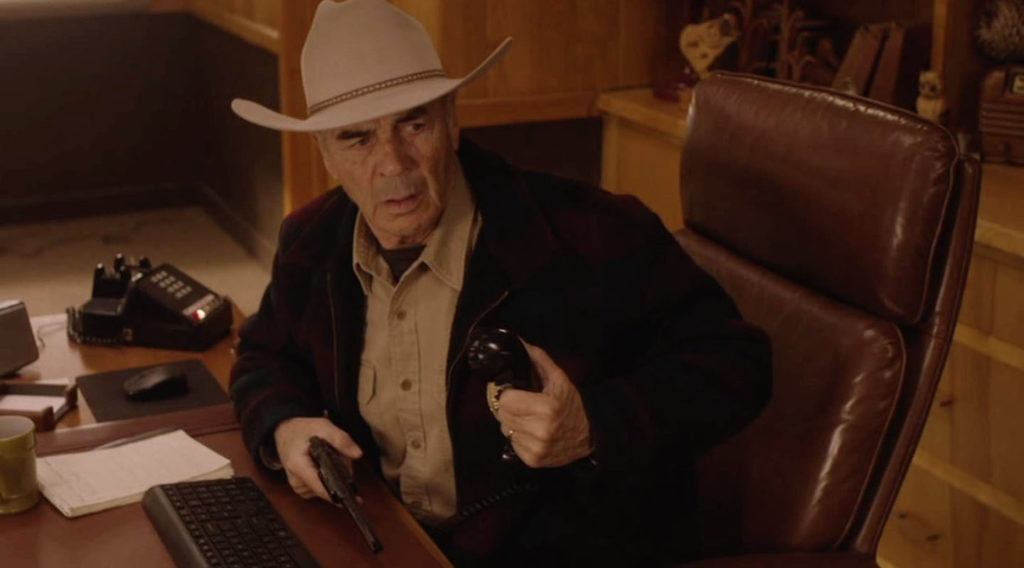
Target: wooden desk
[(42, 537)]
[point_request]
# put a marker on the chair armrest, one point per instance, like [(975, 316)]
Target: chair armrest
[(788, 560)]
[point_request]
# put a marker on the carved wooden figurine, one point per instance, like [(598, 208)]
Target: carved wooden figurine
[(702, 43)]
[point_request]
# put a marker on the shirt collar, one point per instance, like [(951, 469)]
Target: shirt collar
[(367, 263), (449, 246)]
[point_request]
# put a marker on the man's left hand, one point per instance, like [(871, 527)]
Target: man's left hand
[(548, 428)]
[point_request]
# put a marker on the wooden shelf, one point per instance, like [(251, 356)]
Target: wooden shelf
[(259, 29), (640, 106), (527, 108)]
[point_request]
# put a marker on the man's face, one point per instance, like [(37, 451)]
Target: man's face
[(397, 169)]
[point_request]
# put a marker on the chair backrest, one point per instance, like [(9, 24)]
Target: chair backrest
[(843, 227)]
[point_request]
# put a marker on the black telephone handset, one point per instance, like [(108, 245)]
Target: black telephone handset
[(497, 356), (138, 304)]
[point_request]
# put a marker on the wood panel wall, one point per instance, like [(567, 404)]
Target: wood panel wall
[(256, 21), (304, 174), (563, 53), (95, 115)]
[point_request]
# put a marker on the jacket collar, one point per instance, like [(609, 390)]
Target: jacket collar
[(514, 230)]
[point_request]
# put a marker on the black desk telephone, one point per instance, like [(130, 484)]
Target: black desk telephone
[(138, 304)]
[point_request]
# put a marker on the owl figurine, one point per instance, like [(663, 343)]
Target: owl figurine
[(931, 104)]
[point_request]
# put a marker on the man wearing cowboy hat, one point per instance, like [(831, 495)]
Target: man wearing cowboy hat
[(361, 335)]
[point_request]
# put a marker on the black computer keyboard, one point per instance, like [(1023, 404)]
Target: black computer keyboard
[(222, 523)]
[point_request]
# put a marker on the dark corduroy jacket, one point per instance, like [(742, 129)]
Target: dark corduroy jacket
[(664, 364)]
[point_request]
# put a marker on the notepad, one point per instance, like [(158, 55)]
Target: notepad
[(86, 482)]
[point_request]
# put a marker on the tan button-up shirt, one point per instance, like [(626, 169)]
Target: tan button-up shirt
[(402, 376)]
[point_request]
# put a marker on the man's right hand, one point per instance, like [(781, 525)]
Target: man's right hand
[(292, 439)]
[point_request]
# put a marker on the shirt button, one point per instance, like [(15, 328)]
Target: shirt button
[(406, 385), (416, 444), (400, 315)]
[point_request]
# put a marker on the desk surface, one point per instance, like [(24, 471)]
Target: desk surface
[(59, 358), (124, 536)]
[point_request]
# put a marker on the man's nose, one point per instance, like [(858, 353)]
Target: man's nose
[(393, 157)]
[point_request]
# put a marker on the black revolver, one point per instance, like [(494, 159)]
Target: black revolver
[(338, 483)]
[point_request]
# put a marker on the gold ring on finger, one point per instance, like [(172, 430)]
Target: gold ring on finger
[(494, 392)]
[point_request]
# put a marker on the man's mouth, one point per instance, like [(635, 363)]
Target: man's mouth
[(403, 204)]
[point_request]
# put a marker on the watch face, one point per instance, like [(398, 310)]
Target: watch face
[(1017, 84)]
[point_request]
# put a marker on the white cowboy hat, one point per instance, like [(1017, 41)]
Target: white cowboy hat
[(363, 59)]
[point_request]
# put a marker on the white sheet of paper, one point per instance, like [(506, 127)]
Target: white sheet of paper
[(86, 482)]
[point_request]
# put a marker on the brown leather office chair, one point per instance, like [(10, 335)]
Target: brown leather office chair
[(844, 228)]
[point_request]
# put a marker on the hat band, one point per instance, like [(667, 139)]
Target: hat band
[(374, 87)]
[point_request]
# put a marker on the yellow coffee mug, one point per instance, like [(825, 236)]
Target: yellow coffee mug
[(18, 487)]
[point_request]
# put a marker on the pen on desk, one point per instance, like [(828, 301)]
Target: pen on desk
[(136, 438)]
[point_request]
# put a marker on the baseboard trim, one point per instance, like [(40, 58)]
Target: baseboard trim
[(95, 201), (240, 229)]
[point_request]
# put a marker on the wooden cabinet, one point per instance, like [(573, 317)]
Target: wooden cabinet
[(962, 504), (642, 150)]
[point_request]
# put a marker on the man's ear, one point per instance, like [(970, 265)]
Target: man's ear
[(453, 119)]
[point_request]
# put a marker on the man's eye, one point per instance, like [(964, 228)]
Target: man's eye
[(415, 126), (360, 142)]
